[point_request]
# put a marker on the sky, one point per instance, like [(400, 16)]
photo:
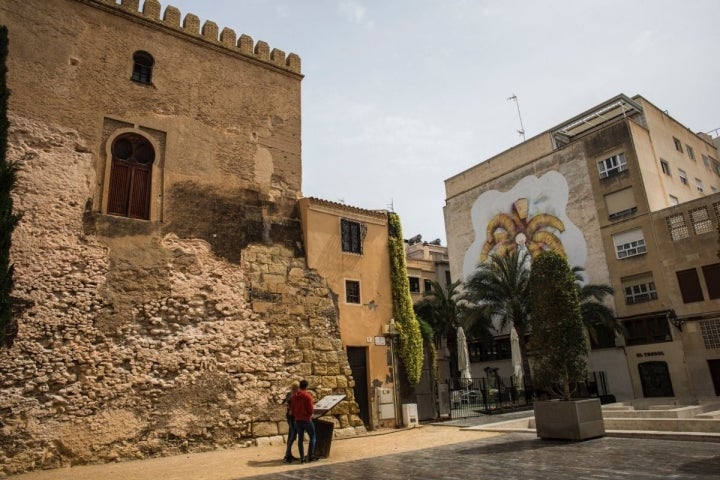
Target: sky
[(400, 95)]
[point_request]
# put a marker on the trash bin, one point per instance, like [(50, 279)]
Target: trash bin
[(323, 437)]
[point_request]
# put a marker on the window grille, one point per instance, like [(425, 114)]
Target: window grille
[(700, 219), (710, 330), (352, 235), (352, 291), (676, 226)]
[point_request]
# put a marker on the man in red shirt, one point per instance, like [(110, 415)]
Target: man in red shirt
[(302, 408)]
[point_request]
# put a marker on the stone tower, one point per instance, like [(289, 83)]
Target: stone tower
[(168, 301)]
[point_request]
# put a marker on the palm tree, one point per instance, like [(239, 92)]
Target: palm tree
[(499, 287), (444, 310), (596, 315)]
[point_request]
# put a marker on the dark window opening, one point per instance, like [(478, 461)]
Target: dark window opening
[(351, 234), (130, 177), (495, 349), (712, 279), (428, 285), (603, 337), (641, 331), (142, 67), (352, 291), (414, 284), (689, 283)]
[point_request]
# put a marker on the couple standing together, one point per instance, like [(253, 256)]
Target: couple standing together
[(299, 414)]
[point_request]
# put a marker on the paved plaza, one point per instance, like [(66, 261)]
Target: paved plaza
[(523, 456)]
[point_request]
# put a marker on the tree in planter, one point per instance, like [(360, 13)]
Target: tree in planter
[(8, 219), (558, 338)]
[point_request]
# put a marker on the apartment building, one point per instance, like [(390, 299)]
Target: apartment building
[(426, 262), (598, 187)]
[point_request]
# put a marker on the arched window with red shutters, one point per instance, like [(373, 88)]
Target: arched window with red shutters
[(131, 176)]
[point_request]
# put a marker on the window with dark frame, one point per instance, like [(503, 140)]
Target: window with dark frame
[(689, 284), (427, 285), (678, 145), (690, 152), (143, 64), (351, 234), (352, 291), (665, 167), (414, 284), (130, 176)]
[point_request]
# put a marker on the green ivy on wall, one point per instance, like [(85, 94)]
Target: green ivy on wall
[(411, 343)]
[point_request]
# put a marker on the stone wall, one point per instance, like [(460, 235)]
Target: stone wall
[(143, 343)]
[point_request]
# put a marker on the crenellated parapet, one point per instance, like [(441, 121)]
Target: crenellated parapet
[(208, 31)]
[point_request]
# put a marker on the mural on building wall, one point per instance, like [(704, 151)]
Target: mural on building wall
[(532, 215)]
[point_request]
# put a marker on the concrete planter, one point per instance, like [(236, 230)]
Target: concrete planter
[(573, 420)]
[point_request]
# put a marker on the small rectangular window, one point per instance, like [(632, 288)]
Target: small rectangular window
[(612, 166), (678, 145), (351, 234), (639, 288), (706, 160), (620, 204), (689, 284), (352, 291), (677, 227), (683, 176), (690, 152), (699, 185), (414, 284), (630, 243), (665, 167), (428, 285)]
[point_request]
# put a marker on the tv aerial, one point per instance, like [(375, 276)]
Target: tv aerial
[(521, 132)]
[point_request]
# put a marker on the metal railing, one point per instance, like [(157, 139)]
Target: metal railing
[(495, 394)]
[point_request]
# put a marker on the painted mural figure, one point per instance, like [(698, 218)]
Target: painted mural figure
[(532, 215)]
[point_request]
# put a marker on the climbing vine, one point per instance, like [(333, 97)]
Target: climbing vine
[(411, 343)]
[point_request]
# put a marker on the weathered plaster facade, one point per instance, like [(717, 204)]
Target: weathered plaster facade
[(362, 319), (182, 331)]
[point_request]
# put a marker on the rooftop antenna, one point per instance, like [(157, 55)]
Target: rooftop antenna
[(522, 129)]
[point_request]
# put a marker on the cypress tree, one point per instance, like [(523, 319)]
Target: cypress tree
[(558, 339), (8, 219)]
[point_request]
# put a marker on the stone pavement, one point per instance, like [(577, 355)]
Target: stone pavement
[(447, 450), (525, 457)]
